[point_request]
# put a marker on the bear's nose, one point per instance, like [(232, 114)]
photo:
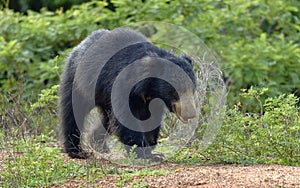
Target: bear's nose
[(188, 108), (185, 109)]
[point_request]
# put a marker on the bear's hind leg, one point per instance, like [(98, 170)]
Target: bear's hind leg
[(70, 130), (72, 136)]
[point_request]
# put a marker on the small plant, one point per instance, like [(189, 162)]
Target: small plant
[(47, 99), (132, 154)]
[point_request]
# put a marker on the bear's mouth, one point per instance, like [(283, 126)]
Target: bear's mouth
[(184, 110), (177, 110), (182, 119)]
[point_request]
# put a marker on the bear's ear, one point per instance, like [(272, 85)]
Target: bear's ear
[(187, 58)]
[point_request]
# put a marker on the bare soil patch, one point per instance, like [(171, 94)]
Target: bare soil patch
[(208, 176)]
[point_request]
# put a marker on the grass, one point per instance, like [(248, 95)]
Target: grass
[(30, 163), (36, 165)]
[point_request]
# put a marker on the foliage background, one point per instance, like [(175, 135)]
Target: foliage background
[(257, 40)]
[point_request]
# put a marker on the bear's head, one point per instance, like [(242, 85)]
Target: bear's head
[(172, 79)]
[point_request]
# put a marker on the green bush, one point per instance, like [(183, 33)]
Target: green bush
[(32, 48), (271, 138), (25, 5), (257, 40)]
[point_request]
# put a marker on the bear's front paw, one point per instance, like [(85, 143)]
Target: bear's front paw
[(158, 157), (75, 154)]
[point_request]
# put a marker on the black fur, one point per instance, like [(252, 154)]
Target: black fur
[(149, 88)]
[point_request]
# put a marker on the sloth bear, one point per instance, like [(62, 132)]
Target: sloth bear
[(88, 81)]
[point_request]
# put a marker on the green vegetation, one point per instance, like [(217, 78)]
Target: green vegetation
[(259, 42), (33, 165), (269, 137)]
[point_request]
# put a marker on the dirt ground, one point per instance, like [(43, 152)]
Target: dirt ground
[(209, 176)]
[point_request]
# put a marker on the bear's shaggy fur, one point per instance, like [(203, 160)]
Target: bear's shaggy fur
[(140, 96)]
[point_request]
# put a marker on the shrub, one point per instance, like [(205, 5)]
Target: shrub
[(272, 137)]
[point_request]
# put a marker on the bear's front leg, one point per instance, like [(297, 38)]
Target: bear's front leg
[(141, 143)]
